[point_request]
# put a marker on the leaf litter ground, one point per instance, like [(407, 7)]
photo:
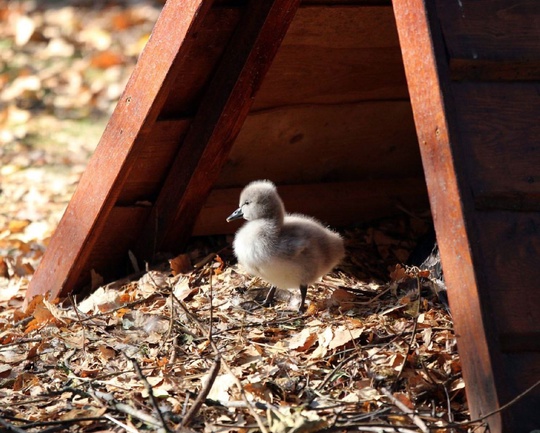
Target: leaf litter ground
[(184, 347), (187, 348)]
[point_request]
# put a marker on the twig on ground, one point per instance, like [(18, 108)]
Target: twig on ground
[(205, 390), (21, 341), (10, 427), (448, 404), (336, 368), (239, 385), (211, 307), (76, 309), (212, 374), (121, 424), (414, 418), (150, 391), (173, 356), (413, 336), (62, 422), (129, 410), (171, 323)]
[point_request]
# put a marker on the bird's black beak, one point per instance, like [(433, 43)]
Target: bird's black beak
[(236, 215)]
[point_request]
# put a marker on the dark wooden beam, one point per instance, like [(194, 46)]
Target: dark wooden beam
[(66, 259), (212, 132)]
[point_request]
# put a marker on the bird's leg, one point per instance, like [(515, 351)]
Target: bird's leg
[(303, 292), (270, 297)]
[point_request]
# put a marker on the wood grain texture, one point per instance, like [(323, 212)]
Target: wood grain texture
[(325, 143), (507, 200), (339, 204), (500, 131), (335, 55), (523, 369), (491, 29), (88, 212), (223, 109), (144, 181), (494, 70), (428, 78), (511, 269), (200, 62)]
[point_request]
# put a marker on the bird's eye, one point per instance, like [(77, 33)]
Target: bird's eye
[(246, 203)]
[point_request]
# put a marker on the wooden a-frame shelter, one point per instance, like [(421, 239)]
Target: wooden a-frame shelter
[(213, 96)]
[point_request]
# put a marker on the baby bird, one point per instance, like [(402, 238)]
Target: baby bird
[(287, 250)]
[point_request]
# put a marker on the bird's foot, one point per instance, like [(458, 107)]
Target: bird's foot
[(269, 300)]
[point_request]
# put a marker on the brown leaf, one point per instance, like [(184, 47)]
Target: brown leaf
[(399, 273), (342, 299), (183, 290), (343, 335), (218, 265), (22, 267), (125, 19), (4, 273), (5, 371), (303, 340), (18, 226), (106, 59), (89, 373), (25, 381), (403, 398), (180, 264)]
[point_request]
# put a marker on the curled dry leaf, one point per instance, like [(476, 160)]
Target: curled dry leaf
[(303, 340), (180, 264)]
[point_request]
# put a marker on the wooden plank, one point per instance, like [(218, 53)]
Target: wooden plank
[(500, 131), (336, 54), (520, 342), (219, 119), (495, 70), (428, 77), (505, 200), (200, 62), (339, 204), (88, 211), (523, 368), (144, 181), (511, 270), (325, 143), (491, 29)]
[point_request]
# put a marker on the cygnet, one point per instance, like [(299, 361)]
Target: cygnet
[(287, 250)]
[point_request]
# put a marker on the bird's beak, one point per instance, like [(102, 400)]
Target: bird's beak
[(236, 215)]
